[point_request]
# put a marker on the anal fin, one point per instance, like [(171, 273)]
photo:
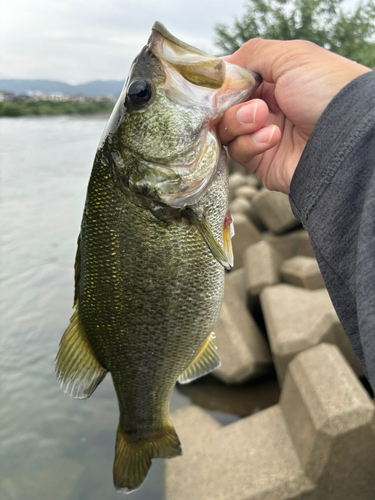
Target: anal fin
[(77, 369), (205, 362)]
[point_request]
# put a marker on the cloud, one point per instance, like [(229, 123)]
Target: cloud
[(77, 41)]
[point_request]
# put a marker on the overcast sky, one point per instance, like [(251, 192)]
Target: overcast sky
[(76, 41)]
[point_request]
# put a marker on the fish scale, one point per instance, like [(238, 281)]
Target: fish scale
[(154, 241), (151, 307)]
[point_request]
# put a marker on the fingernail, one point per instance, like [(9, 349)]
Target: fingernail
[(264, 135), (246, 114)]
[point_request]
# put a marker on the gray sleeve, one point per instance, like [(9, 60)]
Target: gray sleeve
[(333, 194)]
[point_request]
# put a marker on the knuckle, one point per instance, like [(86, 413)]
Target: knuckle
[(251, 47)]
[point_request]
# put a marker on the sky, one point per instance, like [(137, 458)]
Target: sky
[(76, 41)]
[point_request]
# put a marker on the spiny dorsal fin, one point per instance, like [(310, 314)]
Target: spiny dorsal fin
[(200, 223), (77, 369), (206, 361)]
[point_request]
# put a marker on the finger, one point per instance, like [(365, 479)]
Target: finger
[(271, 58), (259, 56), (245, 118), (247, 149)]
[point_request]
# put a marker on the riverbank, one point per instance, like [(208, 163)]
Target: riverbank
[(51, 108)]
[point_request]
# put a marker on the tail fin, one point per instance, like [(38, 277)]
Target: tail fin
[(133, 458)]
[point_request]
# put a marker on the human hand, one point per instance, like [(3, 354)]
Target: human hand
[(268, 133)]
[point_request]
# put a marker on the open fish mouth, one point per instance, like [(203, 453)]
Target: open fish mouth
[(217, 84), (197, 79)]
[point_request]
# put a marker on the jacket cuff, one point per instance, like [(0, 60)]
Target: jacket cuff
[(333, 138)]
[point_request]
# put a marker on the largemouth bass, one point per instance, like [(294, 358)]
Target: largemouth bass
[(154, 242)]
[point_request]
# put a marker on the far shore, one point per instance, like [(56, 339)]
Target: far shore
[(86, 117), (51, 108), (94, 116)]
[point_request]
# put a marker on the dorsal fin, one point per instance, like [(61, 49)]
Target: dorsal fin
[(205, 362)]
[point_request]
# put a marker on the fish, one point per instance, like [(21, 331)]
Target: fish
[(154, 244)]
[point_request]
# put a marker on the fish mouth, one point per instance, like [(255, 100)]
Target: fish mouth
[(193, 64), (162, 30), (196, 79)]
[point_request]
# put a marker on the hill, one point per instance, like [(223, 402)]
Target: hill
[(95, 88)]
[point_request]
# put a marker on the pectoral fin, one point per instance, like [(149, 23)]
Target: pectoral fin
[(200, 223), (206, 361), (77, 369)]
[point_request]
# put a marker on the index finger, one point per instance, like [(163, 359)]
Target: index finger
[(269, 58)]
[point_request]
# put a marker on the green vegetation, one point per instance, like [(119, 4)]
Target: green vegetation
[(324, 22), (22, 108)]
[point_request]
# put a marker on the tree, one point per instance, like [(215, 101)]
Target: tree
[(324, 22)]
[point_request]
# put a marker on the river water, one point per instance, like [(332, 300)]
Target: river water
[(52, 446)]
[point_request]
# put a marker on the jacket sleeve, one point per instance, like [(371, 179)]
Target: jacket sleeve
[(333, 194)]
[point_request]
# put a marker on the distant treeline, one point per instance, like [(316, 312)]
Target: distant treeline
[(19, 108)]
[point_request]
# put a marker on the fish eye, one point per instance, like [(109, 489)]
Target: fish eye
[(140, 92)]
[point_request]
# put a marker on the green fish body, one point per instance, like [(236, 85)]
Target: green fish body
[(154, 241)]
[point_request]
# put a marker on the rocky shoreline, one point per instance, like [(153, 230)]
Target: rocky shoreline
[(318, 442)]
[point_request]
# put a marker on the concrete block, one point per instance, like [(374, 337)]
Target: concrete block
[(289, 245), (261, 263), (252, 180), (332, 423), (243, 206), (234, 167), (229, 400), (240, 205), (252, 459), (235, 289), (245, 235), (274, 211), (242, 348), (297, 319), (253, 217), (246, 191), (235, 180), (317, 443), (302, 271)]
